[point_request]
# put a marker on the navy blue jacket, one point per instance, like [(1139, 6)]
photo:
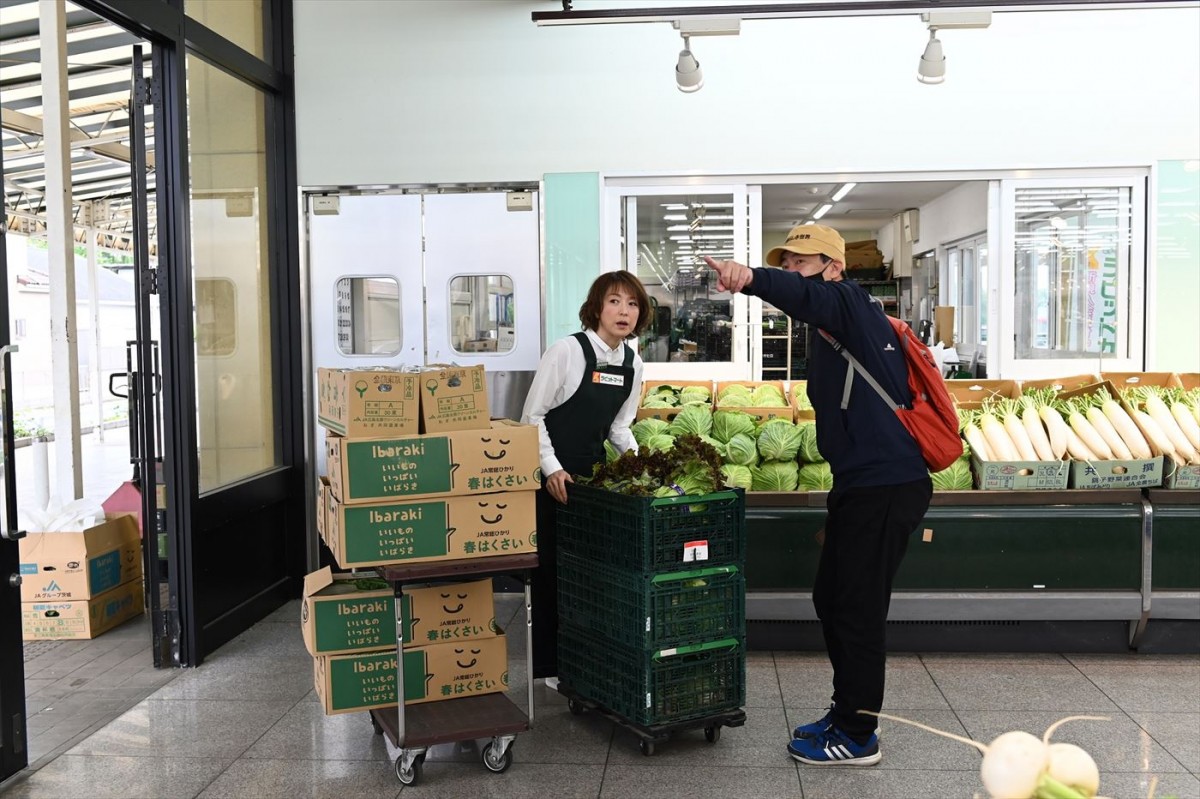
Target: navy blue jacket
[(865, 444)]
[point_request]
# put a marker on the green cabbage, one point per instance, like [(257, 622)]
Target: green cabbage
[(693, 420), (768, 396), (644, 428), (955, 477), (735, 400), (727, 423), (737, 476), (662, 396), (778, 440), (800, 394), (815, 477), (808, 443), (741, 451), (610, 452), (660, 442), (774, 476), (695, 394), (717, 445), (657, 401), (732, 390)]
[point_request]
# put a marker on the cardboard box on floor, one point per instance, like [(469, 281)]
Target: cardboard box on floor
[(432, 529), (65, 566), (457, 463), (453, 398), (342, 613), (364, 680), (83, 618), (368, 403)]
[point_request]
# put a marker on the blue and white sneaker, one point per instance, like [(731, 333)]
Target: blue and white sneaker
[(814, 728), (834, 748)]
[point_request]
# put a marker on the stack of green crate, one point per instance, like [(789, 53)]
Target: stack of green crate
[(652, 603)]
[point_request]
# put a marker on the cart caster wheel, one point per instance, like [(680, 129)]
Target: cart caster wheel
[(410, 775), (494, 764), (575, 707), (648, 748), (375, 725), (712, 734)]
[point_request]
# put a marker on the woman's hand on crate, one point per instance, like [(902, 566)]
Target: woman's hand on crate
[(556, 484)]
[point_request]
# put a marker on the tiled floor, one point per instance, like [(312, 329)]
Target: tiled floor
[(246, 725)]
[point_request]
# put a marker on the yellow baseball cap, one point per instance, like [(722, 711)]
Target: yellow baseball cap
[(810, 240)]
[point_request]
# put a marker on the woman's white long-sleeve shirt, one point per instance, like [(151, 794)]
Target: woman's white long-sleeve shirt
[(558, 376)]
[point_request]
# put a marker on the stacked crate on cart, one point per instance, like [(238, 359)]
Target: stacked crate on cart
[(651, 597)]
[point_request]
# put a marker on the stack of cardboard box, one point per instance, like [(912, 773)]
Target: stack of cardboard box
[(865, 255), (79, 584), (418, 472)]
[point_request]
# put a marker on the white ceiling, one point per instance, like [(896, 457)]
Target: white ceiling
[(868, 206)]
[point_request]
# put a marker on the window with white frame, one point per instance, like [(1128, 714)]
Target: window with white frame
[(967, 284)]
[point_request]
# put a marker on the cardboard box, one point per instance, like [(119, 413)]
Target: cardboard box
[(354, 682), (453, 398), (1122, 380), (345, 613), (970, 394), (322, 504), (1181, 476), (82, 618), (1020, 475), (667, 414), (368, 403), (1060, 384), (66, 566), (1132, 473), (943, 325), (1188, 380), (418, 531), (799, 391), (502, 458), (760, 414)]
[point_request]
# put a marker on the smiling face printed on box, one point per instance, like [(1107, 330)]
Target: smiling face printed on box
[(492, 513)]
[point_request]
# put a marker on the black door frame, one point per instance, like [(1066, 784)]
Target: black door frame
[(14, 738), (211, 600)]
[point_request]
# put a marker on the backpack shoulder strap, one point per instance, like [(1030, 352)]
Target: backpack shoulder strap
[(858, 367)]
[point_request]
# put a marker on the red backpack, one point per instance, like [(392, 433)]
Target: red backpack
[(932, 420)]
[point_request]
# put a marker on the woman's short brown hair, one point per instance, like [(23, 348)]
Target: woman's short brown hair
[(607, 283)]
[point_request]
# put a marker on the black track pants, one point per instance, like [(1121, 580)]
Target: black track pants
[(866, 535)]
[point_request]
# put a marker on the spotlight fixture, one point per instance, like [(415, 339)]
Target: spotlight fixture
[(932, 68), (688, 76)]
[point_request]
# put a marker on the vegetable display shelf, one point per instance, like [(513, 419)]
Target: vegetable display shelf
[(1069, 555), (415, 728)]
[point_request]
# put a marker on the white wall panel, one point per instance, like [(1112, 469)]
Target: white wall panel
[(410, 92)]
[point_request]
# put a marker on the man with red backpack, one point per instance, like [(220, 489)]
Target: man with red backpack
[(881, 485)]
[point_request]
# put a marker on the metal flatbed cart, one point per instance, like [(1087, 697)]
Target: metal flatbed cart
[(413, 729)]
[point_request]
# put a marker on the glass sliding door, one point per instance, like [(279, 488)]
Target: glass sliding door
[(1074, 280), (665, 232)]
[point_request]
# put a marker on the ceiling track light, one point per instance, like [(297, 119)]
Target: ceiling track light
[(932, 68), (688, 76)]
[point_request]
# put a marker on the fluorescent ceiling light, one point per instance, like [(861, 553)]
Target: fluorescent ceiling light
[(843, 191), (824, 209)]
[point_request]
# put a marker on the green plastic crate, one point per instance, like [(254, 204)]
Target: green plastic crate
[(649, 535), (651, 687), (652, 612)]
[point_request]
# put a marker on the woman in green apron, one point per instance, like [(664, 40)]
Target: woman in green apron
[(586, 390)]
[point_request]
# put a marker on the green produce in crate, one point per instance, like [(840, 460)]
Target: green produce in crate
[(689, 467), (727, 424), (955, 477)]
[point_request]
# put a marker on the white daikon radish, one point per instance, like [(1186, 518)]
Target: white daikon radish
[(1009, 413), (998, 441), (1056, 428), (978, 441), (1160, 413), (1077, 449), (1126, 429), (1017, 765), (1087, 434), (1189, 426), (1109, 433), (1036, 432), (1160, 444)]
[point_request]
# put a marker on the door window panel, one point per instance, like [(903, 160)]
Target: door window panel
[(368, 316), (967, 264), (692, 321), (482, 314), (1072, 248), (229, 207), (239, 21)]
